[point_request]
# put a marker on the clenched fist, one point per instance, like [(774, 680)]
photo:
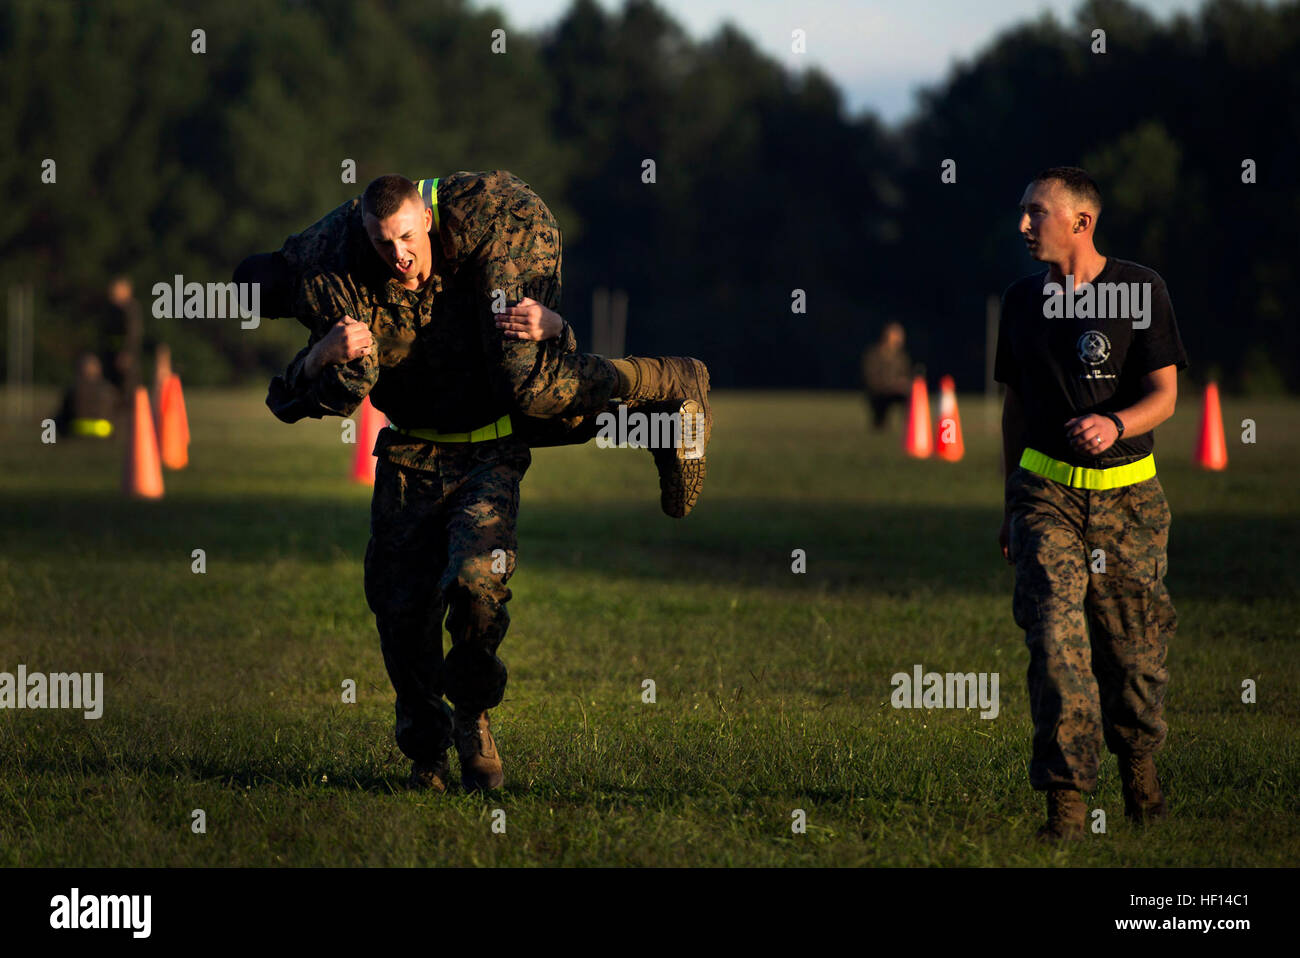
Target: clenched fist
[(346, 340)]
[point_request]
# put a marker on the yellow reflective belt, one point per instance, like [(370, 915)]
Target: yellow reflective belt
[(1081, 477), (496, 430), (92, 427), (429, 192)]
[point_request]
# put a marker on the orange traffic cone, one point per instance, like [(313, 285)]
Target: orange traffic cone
[(184, 416), (142, 475), (947, 434), (916, 440), (369, 421), (174, 430), (1211, 449)]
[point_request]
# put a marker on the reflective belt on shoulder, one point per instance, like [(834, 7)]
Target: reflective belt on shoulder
[(92, 427), (496, 430), (1082, 477), (429, 192)]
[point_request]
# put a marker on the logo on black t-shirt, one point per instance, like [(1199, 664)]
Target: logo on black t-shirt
[(1061, 366), (1094, 347)]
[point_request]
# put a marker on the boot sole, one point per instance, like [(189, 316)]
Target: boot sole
[(474, 779), (681, 478)]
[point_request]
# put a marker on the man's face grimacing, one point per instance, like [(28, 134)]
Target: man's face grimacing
[(402, 241), (1048, 218)]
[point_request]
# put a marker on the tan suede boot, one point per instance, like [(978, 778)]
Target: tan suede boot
[(480, 764), (682, 467), (645, 379), (1143, 799), (429, 778), (1066, 815), (674, 385)]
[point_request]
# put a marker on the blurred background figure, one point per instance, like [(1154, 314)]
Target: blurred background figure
[(123, 336), (91, 404), (886, 373)]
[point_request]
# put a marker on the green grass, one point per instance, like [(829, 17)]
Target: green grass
[(223, 689)]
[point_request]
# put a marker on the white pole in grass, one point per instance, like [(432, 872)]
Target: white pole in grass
[(992, 307)]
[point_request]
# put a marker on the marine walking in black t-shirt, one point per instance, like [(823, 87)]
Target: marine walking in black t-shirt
[(1089, 353)]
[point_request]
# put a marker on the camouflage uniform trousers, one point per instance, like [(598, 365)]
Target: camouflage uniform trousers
[(1097, 640), (523, 256), (443, 543)]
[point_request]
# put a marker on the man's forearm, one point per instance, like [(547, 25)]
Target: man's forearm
[(311, 387), (311, 363), (1148, 412)]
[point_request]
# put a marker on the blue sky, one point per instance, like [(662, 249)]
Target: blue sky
[(877, 51)]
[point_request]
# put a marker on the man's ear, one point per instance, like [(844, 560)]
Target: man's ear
[(428, 219)]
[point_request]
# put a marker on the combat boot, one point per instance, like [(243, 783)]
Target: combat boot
[(427, 777), (480, 765), (681, 467), (674, 384), (1066, 814), (1143, 799)]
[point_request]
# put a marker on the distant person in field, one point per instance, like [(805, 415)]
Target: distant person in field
[(91, 404), (124, 336), (886, 373), (1086, 522)]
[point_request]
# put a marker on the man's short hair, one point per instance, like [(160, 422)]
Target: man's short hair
[(386, 194), (1075, 181)]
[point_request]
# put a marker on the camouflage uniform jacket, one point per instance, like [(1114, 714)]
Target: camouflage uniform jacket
[(441, 362), (468, 206)]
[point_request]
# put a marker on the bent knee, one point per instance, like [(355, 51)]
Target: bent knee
[(481, 575)]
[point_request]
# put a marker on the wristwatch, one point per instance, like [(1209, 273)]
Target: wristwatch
[(1119, 423)]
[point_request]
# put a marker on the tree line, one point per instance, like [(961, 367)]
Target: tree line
[(778, 232)]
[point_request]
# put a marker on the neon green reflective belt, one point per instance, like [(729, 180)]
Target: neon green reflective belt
[(92, 427), (1081, 477), (429, 192), (496, 430)]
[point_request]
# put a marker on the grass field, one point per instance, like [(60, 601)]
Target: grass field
[(223, 690)]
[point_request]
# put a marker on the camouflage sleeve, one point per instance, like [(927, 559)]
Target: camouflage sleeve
[(326, 244), (469, 206), (568, 339), (323, 299)]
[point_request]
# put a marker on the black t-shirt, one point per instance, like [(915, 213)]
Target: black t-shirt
[(1067, 366)]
